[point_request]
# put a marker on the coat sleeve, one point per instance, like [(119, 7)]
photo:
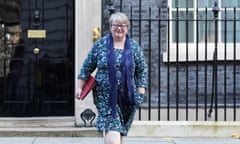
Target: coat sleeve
[(89, 64), (141, 68)]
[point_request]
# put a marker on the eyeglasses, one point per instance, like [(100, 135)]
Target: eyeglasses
[(119, 25)]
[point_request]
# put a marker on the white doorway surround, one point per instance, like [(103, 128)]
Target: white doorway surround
[(87, 17)]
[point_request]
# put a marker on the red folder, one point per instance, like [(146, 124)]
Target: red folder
[(90, 84)]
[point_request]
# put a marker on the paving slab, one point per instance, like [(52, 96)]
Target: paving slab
[(127, 140), (79, 140), (206, 141), (17, 140)]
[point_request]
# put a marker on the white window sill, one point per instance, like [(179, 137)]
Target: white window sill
[(202, 54)]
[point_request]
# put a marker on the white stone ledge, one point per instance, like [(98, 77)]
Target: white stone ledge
[(184, 129)]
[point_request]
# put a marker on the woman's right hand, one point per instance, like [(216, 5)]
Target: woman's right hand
[(78, 92), (80, 84)]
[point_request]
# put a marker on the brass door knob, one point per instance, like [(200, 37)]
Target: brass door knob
[(36, 51), (96, 33)]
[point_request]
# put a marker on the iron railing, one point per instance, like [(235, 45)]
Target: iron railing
[(192, 76)]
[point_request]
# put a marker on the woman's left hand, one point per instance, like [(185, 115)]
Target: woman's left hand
[(141, 90)]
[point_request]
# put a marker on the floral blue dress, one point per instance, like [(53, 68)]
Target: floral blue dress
[(97, 58)]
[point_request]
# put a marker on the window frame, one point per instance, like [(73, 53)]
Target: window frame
[(200, 50)]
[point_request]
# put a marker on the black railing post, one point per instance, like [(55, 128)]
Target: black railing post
[(111, 6), (215, 11)]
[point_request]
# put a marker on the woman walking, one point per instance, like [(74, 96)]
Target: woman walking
[(121, 79)]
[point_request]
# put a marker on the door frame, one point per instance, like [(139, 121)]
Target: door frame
[(85, 21)]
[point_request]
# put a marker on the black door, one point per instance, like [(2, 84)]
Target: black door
[(36, 57)]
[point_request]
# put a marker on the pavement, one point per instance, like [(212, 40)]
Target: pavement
[(63, 131), (127, 140)]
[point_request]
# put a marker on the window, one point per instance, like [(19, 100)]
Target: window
[(193, 28)]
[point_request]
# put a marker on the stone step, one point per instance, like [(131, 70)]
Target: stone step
[(44, 127), (31, 122), (49, 132)]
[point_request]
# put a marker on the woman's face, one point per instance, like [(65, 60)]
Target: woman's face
[(119, 30)]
